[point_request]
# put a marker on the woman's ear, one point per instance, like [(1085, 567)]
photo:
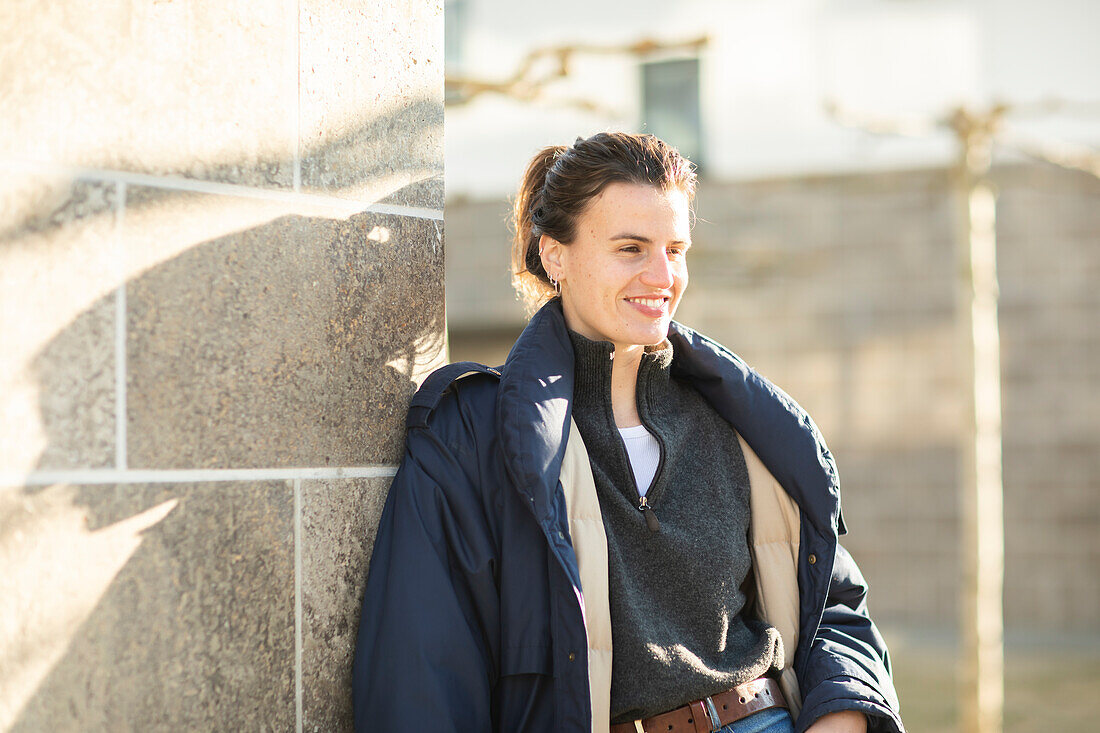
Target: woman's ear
[(550, 252)]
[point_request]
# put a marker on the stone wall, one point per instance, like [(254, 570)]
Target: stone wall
[(841, 290), (221, 279)]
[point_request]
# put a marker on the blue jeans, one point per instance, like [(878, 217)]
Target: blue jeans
[(772, 720)]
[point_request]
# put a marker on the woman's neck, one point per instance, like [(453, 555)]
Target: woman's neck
[(624, 385)]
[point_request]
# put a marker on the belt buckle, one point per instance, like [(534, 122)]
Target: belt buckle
[(712, 713)]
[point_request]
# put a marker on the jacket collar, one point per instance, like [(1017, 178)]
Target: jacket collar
[(779, 431), (535, 401), (533, 407)]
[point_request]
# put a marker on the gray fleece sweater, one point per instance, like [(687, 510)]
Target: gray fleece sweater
[(678, 632)]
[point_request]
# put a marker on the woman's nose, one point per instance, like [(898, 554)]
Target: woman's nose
[(659, 272)]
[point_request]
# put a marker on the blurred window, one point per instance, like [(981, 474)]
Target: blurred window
[(454, 32), (454, 29), (670, 105)]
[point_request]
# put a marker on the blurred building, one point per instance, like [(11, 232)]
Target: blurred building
[(825, 256)]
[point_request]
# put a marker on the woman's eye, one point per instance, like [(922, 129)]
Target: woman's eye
[(630, 248)]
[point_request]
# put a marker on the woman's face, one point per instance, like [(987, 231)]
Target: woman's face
[(625, 272)]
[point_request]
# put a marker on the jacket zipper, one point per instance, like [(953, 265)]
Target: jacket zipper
[(643, 502), (647, 512)]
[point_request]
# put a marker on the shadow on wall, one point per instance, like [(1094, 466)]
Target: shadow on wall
[(295, 343), (350, 164)]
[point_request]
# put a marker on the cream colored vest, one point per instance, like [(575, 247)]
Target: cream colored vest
[(773, 543)]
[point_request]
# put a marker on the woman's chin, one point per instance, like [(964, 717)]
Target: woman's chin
[(649, 336)]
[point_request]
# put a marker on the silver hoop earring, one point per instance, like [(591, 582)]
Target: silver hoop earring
[(556, 285)]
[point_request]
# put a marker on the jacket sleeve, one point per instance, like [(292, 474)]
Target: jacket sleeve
[(426, 645), (848, 667)]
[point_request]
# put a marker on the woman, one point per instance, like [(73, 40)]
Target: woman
[(624, 526)]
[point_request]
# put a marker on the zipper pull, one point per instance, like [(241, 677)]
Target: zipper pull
[(650, 517)]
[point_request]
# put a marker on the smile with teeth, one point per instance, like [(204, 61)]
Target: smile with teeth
[(650, 302)]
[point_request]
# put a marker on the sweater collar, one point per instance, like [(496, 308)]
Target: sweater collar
[(594, 361)]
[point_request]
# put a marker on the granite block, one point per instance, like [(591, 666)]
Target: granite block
[(296, 342), (189, 622), (427, 192), (58, 275), (339, 522), (74, 377), (372, 100), (38, 203), (199, 89)]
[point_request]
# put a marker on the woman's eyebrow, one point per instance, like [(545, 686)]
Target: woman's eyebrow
[(646, 240)]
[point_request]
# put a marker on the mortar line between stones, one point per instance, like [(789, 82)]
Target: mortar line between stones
[(298, 605), (346, 207), (161, 476), (120, 329)]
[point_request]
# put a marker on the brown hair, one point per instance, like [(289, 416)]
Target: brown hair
[(560, 182)]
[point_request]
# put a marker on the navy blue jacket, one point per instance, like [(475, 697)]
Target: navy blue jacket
[(471, 619)]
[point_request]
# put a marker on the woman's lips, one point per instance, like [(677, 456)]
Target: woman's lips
[(652, 307)]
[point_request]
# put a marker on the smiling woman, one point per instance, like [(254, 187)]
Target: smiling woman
[(623, 275), (521, 579)]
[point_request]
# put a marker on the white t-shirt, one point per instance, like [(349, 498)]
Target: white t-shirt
[(645, 454)]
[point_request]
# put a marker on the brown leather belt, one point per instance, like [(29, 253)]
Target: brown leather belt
[(711, 713)]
